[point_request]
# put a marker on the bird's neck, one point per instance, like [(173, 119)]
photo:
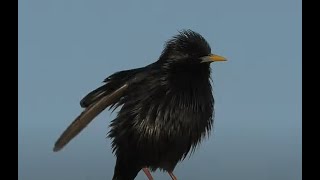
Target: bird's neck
[(189, 86), (186, 77)]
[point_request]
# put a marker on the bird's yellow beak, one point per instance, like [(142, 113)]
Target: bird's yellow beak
[(213, 58)]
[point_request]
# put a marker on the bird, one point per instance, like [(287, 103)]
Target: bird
[(166, 108)]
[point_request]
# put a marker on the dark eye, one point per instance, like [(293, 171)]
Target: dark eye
[(193, 54)]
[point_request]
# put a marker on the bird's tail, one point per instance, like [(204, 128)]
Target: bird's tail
[(125, 170)]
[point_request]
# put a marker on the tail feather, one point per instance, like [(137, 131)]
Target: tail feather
[(125, 170)]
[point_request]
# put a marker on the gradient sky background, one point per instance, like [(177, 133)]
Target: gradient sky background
[(67, 47)]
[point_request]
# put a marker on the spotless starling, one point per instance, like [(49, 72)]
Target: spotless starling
[(166, 108)]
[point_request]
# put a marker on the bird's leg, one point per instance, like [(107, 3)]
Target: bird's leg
[(147, 172), (173, 177)]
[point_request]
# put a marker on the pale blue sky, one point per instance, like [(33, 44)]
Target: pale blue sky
[(67, 47)]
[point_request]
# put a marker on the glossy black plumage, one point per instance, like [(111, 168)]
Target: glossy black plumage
[(167, 108)]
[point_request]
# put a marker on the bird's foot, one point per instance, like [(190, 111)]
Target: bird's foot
[(173, 177), (147, 172)]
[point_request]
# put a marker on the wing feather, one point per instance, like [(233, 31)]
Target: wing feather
[(87, 116)]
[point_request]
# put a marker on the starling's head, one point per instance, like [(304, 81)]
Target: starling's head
[(188, 46)]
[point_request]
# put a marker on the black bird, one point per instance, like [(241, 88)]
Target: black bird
[(167, 108)]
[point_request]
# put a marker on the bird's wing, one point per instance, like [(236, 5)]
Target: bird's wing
[(87, 116), (113, 82)]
